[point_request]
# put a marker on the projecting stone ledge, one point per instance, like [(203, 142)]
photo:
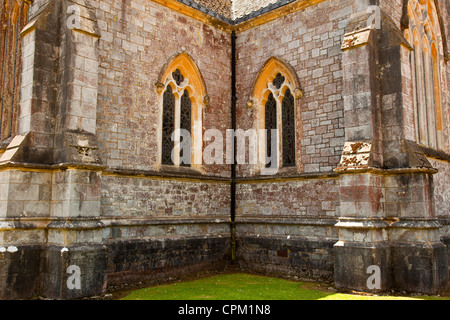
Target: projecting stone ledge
[(15, 150)]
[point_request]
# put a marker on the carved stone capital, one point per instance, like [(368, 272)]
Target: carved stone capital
[(159, 87), (206, 101), (299, 93)]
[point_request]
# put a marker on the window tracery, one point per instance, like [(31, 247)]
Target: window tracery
[(13, 19), (183, 98), (424, 35), (274, 96)]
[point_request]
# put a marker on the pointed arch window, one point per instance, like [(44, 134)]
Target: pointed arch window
[(10, 70), (288, 121), (275, 94), (424, 34), (182, 98), (185, 124), (168, 126), (287, 125), (270, 124)]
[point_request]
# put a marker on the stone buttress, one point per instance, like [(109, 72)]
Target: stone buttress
[(387, 222), (51, 171)]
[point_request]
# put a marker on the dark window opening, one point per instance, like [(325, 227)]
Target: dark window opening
[(168, 126), (288, 123), (278, 81), (271, 123), (185, 123)]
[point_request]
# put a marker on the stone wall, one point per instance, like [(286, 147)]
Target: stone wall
[(139, 211), (442, 196), (292, 198), (91, 106), (158, 260), (14, 18), (127, 197), (287, 228), (310, 41), (441, 187), (155, 229), (81, 185), (136, 43)]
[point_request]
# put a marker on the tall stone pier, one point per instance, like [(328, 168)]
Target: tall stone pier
[(389, 234)]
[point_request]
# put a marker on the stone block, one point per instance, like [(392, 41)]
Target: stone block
[(294, 257), (420, 268), (36, 208), (66, 267), (19, 192), (22, 237), (352, 261), (20, 272)]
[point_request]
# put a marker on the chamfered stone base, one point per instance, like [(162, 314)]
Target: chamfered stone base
[(20, 271), (74, 272), (420, 267), (356, 265), (409, 267), (156, 260), (294, 257)]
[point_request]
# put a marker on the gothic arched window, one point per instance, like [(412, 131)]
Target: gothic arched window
[(185, 123), (10, 67), (424, 34), (275, 92), (168, 126), (271, 123), (288, 122), (182, 96)]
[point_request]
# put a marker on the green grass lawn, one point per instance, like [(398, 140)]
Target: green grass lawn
[(249, 287)]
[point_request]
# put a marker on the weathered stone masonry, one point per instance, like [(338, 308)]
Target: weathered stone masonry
[(81, 178)]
